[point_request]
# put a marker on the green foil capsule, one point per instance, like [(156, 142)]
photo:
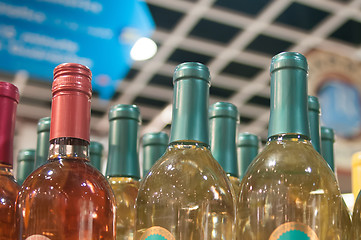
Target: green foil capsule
[(42, 144), (25, 166), (95, 154), (247, 150), (154, 146), (314, 121)]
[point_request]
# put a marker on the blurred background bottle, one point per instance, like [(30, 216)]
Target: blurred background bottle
[(123, 166), (223, 119), (26, 158), (356, 219), (42, 144), (289, 192), (327, 142), (187, 195), (67, 198), (247, 150), (96, 154), (9, 98), (154, 146), (314, 113)]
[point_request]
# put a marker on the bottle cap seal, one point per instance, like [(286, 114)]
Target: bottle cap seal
[(72, 91), (192, 70), (124, 111), (247, 139), (313, 104), (289, 60), (327, 134), (26, 155), (223, 109), (44, 124), (9, 90), (157, 138)]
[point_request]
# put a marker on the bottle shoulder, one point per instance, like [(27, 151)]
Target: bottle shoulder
[(186, 173), (68, 176), (9, 188)]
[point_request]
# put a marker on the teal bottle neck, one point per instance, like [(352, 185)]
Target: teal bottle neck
[(25, 164), (247, 150), (288, 113), (123, 154), (327, 137), (314, 120), (42, 148), (223, 143), (190, 110)]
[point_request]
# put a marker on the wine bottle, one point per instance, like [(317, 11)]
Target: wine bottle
[(9, 98), (187, 195), (247, 150), (289, 192), (355, 173), (154, 146), (25, 165), (223, 119), (356, 219), (96, 153), (123, 165), (327, 141), (42, 144), (67, 198), (314, 112)]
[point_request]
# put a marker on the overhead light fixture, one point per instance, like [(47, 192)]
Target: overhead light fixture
[(143, 49)]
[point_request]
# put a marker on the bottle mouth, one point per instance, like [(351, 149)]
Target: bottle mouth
[(289, 60), (9, 90), (192, 70), (72, 77)]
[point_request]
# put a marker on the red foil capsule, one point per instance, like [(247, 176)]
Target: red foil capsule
[(9, 98), (72, 91)]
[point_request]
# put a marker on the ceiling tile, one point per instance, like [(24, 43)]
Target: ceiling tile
[(301, 16), (268, 45), (181, 56), (150, 102), (349, 32), (250, 7), (241, 70), (164, 18), (206, 29)]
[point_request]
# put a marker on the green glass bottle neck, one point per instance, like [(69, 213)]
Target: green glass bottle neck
[(151, 153), (314, 120), (190, 110), (24, 169), (327, 153), (42, 148), (246, 154), (288, 113), (123, 154), (223, 143)]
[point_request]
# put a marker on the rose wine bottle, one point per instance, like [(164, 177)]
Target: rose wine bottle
[(187, 195), (42, 144), (67, 198), (247, 150), (154, 146), (356, 219), (327, 141), (288, 191), (96, 153), (223, 119), (25, 165), (9, 98), (314, 112), (123, 165)]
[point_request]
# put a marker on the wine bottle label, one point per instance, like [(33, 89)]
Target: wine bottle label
[(157, 233), (293, 231), (37, 237)]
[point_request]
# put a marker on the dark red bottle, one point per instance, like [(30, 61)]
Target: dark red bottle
[(9, 98)]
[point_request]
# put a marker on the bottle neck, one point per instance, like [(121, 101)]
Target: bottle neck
[(327, 153), (151, 153), (314, 120), (246, 154), (288, 113), (223, 143), (292, 137), (42, 148), (7, 130), (123, 154), (190, 110), (68, 148)]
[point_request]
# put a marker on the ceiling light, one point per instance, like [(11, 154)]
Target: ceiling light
[(143, 49)]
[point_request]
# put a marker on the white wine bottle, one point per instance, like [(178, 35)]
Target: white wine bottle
[(223, 118), (327, 140), (288, 191), (187, 195)]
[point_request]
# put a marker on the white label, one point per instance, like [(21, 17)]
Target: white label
[(37, 237)]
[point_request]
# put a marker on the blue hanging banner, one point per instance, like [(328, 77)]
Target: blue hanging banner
[(37, 35)]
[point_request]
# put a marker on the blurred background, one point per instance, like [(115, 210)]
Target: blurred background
[(133, 47)]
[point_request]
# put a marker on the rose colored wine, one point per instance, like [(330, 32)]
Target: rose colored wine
[(9, 97), (67, 198)]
